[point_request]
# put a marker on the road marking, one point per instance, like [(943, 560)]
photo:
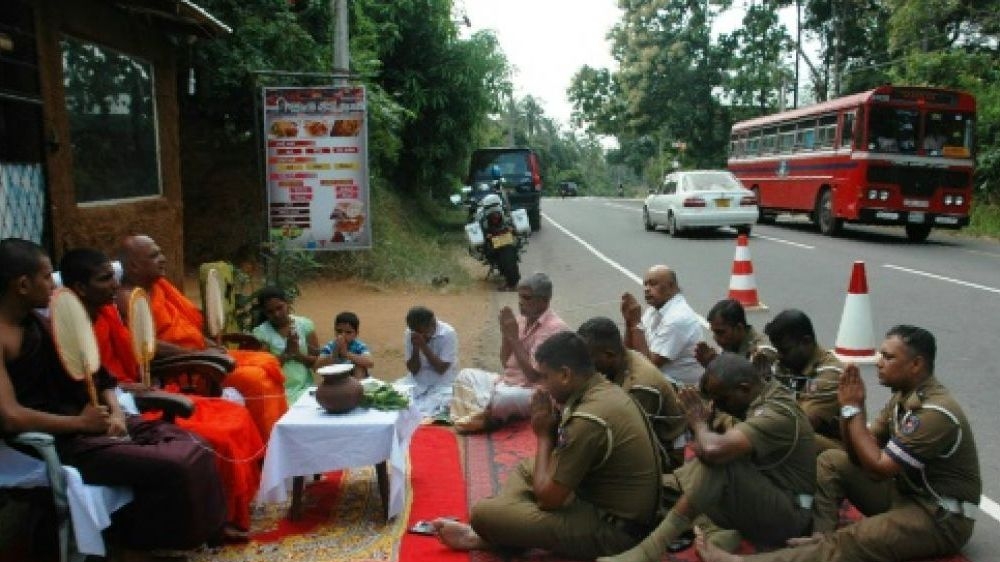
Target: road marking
[(943, 278), (783, 241), (621, 268), (620, 206)]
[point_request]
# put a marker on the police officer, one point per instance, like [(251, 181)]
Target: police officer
[(637, 376), (593, 487), (916, 475), (757, 478), (728, 322), (808, 370)]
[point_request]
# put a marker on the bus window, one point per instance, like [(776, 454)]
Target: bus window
[(786, 138), (805, 135), (770, 141), (753, 145), (892, 130), (947, 133), (826, 131), (847, 131)]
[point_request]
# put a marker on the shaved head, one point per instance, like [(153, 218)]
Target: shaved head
[(660, 285), (142, 261)]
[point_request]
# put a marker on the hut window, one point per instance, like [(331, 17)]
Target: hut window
[(112, 117)]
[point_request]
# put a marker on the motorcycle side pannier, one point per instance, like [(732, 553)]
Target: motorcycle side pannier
[(521, 223), (474, 233)]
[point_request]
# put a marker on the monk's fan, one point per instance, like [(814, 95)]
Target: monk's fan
[(140, 325), (74, 339), (214, 312)]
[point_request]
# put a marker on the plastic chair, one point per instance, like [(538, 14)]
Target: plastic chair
[(42, 446)]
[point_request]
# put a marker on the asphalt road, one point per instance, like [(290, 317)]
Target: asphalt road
[(595, 249)]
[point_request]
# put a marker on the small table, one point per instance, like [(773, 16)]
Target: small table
[(307, 440)]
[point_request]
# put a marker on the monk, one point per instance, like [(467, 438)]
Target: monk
[(178, 501), (226, 426), (257, 375)]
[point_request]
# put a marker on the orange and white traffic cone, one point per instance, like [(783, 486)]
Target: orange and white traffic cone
[(856, 336), (742, 286)]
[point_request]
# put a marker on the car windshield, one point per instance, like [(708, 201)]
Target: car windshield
[(713, 181)]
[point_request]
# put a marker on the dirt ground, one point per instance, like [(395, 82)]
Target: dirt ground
[(470, 309)]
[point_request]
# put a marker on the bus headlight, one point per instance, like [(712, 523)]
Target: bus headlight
[(873, 194), (883, 195), (948, 199), (959, 200)]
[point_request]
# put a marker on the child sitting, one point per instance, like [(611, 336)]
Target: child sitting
[(346, 347)]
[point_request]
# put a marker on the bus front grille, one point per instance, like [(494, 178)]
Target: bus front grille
[(918, 182)]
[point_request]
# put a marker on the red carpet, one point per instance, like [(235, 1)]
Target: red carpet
[(489, 457), (438, 490)]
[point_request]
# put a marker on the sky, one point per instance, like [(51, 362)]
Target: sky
[(547, 41)]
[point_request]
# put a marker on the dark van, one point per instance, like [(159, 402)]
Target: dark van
[(519, 172)]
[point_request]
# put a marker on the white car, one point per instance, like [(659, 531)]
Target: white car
[(700, 199)]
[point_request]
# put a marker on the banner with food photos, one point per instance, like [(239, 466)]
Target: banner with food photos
[(317, 167)]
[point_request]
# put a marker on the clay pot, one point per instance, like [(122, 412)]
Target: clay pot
[(340, 392)]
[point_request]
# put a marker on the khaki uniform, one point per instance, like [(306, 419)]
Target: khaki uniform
[(606, 455), (815, 389), (647, 385), (921, 513), (763, 495), (754, 342)]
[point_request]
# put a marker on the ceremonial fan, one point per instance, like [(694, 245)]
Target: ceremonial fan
[(214, 312), (140, 323), (74, 337)]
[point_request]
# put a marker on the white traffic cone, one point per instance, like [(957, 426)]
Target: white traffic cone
[(856, 336), (742, 286)]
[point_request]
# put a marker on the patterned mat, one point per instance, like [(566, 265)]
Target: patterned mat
[(341, 522)]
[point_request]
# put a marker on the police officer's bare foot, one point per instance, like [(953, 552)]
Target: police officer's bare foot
[(708, 552), (458, 536)]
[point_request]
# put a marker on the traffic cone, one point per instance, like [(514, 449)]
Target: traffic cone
[(742, 286), (856, 336)]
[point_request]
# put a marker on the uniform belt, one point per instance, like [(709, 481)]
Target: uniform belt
[(957, 506), (637, 531)]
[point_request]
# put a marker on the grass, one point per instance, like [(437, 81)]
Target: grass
[(416, 240), (984, 220)]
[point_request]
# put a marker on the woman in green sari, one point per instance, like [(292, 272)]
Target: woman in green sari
[(291, 338)]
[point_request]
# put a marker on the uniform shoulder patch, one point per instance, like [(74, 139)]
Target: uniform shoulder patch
[(910, 425), (759, 411)]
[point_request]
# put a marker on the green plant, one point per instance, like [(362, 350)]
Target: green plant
[(285, 267)]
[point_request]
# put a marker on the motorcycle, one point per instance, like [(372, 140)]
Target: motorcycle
[(497, 235)]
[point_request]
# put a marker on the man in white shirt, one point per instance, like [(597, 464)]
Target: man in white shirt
[(431, 351), (669, 331)]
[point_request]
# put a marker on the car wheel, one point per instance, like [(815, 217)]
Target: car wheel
[(917, 232), (827, 224), (672, 227), (645, 220), (535, 219)]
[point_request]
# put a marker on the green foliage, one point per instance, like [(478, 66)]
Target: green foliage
[(285, 267), (984, 219)]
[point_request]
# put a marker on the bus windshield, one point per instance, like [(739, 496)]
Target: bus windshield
[(936, 133)]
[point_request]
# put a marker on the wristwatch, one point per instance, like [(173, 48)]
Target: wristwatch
[(849, 411)]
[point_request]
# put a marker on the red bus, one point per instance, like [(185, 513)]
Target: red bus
[(890, 156)]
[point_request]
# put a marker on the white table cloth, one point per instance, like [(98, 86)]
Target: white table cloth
[(307, 440), (90, 506)]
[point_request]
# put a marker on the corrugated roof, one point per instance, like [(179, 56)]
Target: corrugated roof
[(179, 16)]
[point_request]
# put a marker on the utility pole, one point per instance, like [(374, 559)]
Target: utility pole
[(798, 49), (341, 42)]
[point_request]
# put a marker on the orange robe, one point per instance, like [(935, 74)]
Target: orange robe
[(257, 375), (226, 426)]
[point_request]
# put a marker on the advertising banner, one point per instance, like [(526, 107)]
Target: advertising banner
[(317, 167)]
